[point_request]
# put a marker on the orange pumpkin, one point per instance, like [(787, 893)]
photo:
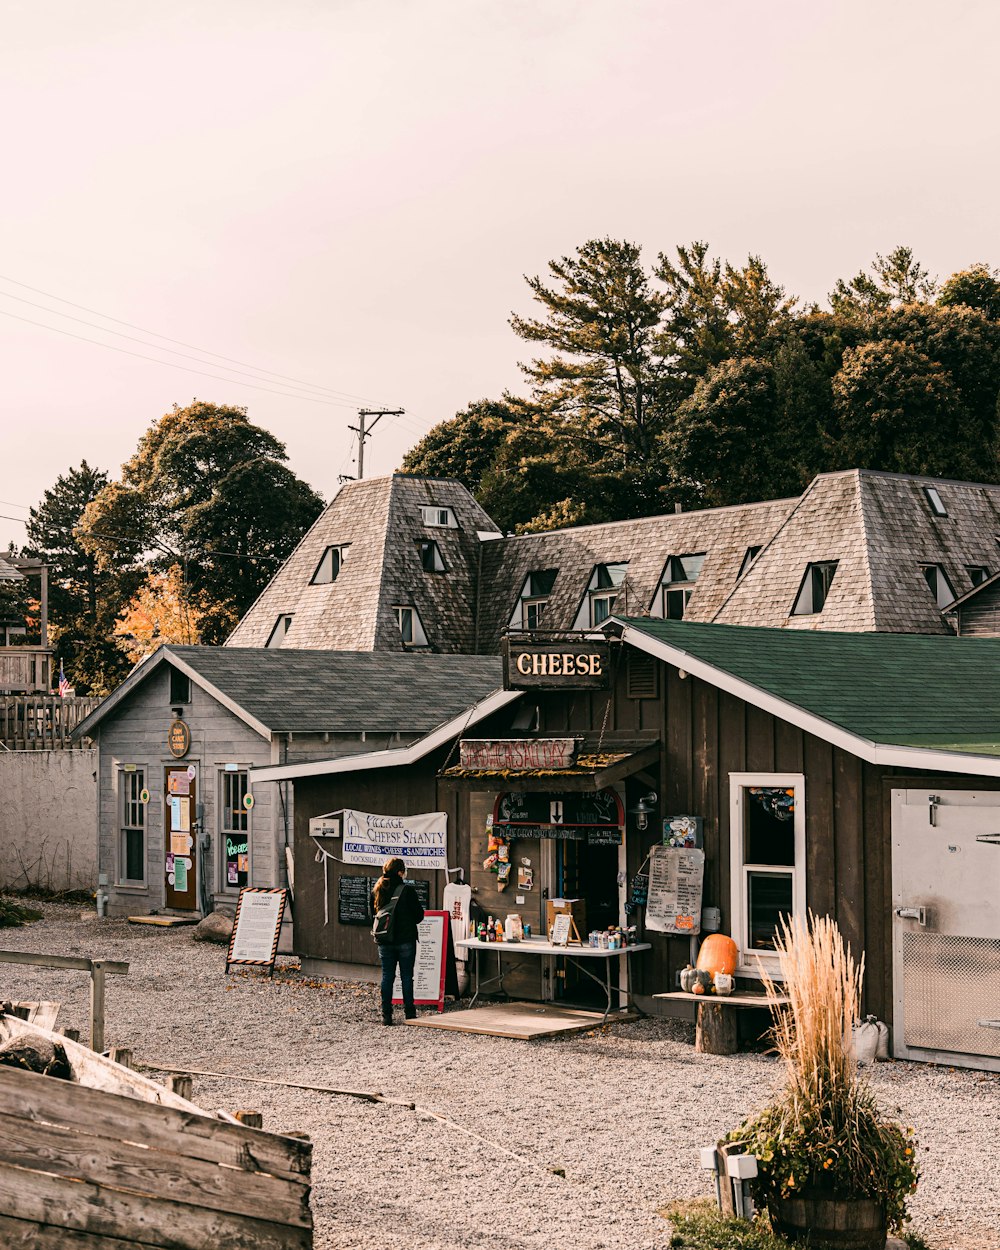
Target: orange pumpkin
[(718, 954)]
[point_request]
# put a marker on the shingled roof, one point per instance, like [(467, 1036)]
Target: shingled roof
[(379, 521), (287, 691), (941, 693), (878, 528)]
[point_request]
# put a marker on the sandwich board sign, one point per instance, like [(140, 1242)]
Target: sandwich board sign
[(257, 927), (432, 956)]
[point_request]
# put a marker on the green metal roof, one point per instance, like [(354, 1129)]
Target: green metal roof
[(928, 691)]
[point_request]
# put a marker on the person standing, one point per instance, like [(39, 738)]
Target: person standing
[(398, 945)]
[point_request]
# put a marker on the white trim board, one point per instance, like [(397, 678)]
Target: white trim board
[(398, 756), (864, 748)]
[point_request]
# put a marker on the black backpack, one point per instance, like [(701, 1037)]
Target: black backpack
[(382, 929)]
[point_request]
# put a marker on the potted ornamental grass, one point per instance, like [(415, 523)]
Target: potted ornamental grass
[(831, 1168)]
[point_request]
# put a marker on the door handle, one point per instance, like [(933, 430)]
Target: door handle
[(919, 914)]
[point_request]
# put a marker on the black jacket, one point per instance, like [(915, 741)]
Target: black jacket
[(407, 916)]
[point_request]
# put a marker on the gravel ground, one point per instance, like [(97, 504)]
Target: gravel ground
[(621, 1110)]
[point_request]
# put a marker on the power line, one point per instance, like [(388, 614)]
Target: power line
[(179, 342), (132, 339), (168, 364)]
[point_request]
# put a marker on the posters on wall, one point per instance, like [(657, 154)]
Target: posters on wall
[(676, 877), (421, 841)]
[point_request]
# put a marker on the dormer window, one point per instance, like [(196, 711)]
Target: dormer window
[(749, 556), (411, 628), (602, 591), (978, 573), (431, 560), (937, 581), (530, 606), (281, 627), (815, 588), (935, 501), (679, 576), (331, 562), (444, 518)]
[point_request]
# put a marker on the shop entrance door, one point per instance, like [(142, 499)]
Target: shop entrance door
[(946, 926), (179, 870), (589, 871)]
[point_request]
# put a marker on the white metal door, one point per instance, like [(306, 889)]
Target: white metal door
[(946, 926)]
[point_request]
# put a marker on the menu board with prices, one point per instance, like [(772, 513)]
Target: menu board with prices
[(676, 878)]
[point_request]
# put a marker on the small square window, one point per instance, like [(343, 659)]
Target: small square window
[(978, 573), (411, 628), (935, 501), (281, 627), (330, 564), (180, 686), (431, 560), (938, 584), (444, 518), (815, 588), (749, 556)]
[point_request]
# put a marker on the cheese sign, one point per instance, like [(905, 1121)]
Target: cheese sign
[(556, 665)]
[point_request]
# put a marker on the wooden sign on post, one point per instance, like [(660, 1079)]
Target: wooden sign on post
[(257, 927)]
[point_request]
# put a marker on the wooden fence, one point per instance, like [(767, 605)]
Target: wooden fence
[(42, 722), (92, 1170)]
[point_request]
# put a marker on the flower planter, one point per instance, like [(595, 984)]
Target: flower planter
[(831, 1223)]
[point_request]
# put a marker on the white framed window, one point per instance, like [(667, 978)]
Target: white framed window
[(676, 584), (602, 591), (411, 628), (444, 518), (281, 627), (431, 560), (529, 609), (815, 588), (330, 564), (234, 828), (132, 843), (767, 849), (938, 584)]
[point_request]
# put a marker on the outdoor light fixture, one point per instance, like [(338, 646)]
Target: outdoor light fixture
[(643, 809)]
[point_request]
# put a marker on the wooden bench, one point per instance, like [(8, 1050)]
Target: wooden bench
[(715, 1027)]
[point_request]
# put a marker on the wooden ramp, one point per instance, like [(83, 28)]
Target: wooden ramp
[(83, 1168), (524, 1021)]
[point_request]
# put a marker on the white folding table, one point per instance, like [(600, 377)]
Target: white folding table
[(579, 956)]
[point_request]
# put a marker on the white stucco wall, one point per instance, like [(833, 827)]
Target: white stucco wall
[(48, 819)]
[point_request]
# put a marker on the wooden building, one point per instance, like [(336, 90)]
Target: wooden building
[(182, 822), (854, 775)]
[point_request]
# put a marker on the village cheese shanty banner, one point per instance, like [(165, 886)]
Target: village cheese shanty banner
[(419, 841)]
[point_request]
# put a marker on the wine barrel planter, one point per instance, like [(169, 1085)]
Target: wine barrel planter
[(831, 1223)]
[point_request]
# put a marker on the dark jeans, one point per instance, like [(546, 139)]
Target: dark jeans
[(404, 954)]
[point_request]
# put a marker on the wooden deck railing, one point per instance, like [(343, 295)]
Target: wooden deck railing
[(41, 722), (26, 670)]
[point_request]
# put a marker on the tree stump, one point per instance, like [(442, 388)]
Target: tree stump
[(716, 1032)]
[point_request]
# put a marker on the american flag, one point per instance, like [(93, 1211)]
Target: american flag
[(65, 689)]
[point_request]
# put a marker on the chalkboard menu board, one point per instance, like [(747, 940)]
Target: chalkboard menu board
[(600, 807), (354, 898), (604, 837)]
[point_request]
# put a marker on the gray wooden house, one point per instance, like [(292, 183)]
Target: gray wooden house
[(182, 824)]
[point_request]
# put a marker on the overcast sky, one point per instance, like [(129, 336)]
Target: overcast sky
[(348, 194)]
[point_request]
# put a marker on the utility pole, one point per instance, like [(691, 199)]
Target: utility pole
[(364, 432)]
